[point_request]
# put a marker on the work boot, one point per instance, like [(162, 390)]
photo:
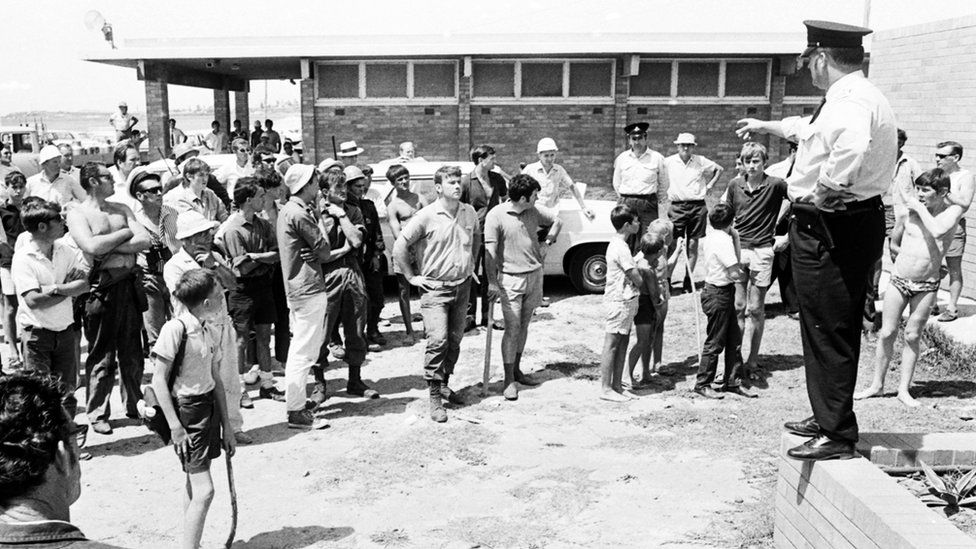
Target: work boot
[(437, 412), (511, 387)]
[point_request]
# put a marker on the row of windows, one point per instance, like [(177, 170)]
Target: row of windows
[(551, 79)]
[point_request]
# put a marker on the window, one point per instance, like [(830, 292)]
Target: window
[(385, 80), (701, 80), (653, 80), (543, 79), (338, 81)]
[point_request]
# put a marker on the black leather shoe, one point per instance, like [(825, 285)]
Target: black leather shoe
[(821, 448), (738, 390), (708, 392), (805, 427)]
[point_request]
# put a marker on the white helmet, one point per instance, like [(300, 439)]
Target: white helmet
[(546, 144)]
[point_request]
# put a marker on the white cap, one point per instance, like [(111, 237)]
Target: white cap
[(328, 163), (298, 176), (122, 104), (47, 153), (353, 173), (685, 139), (546, 144), (192, 222)]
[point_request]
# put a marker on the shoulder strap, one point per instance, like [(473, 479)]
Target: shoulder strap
[(178, 359)]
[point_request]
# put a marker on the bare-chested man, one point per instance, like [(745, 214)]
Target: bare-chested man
[(401, 208), (947, 156), (110, 237)]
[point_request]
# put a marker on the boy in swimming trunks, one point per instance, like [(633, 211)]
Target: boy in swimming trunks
[(919, 244)]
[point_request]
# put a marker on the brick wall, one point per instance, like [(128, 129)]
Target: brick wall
[(922, 70), (157, 103)]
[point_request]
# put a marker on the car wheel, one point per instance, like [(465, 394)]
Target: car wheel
[(588, 269)]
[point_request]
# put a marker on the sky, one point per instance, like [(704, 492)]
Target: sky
[(42, 68)]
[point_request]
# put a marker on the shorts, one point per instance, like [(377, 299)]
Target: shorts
[(620, 316), (198, 414), (7, 281), (521, 291), (646, 312), (690, 218), (889, 219), (958, 244), (759, 263), (910, 288), (250, 305)]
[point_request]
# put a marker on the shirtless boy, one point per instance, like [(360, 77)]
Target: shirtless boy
[(401, 208), (919, 244)]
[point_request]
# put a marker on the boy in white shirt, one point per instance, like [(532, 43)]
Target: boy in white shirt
[(621, 297)]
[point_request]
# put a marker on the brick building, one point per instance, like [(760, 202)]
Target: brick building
[(923, 70), (502, 82)]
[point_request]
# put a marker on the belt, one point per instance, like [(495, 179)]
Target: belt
[(854, 207), (641, 196), (702, 201)]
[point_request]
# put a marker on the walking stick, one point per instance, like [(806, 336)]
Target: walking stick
[(233, 502), (165, 163), (694, 293), (491, 328)]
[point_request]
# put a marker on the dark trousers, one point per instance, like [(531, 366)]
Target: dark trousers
[(783, 269), (281, 328), (347, 304), (53, 353), (722, 334), (832, 256), (480, 290), (114, 335), (373, 280)]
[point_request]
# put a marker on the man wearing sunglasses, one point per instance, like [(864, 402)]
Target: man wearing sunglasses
[(228, 174), (844, 163), (947, 156)]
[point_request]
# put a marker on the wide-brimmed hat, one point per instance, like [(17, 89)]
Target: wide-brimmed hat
[(298, 176), (328, 163), (192, 222), (353, 173), (182, 150), (685, 139), (349, 148), (49, 152)]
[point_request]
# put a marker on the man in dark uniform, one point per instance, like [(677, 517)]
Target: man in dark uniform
[(844, 163)]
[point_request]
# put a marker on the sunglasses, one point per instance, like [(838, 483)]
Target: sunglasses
[(941, 156), (152, 190), (268, 160)]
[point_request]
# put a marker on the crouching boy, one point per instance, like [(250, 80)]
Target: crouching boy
[(196, 409)]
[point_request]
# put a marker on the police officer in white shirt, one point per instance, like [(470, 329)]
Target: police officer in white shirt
[(640, 179), (844, 163)]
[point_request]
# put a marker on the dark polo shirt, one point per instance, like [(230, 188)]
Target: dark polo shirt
[(756, 210)]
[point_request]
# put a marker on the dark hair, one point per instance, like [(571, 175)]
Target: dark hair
[(215, 123), (396, 171), (33, 422), (902, 135), (721, 215), (651, 243), (620, 215), (245, 189), (35, 213), (956, 147), (118, 156), (522, 185), (14, 176), (89, 171), (446, 171), (267, 178), (848, 57), (172, 121), (237, 121), (330, 179), (269, 122), (194, 286), (480, 152), (194, 166), (935, 178)]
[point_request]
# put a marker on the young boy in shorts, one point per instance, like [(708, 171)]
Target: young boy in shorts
[(620, 295), (196, 410), (16, 185), (759, 201), (919, 245), (645, 320), (662, 266), (722, 272)]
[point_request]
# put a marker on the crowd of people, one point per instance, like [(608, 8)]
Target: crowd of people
[(200, 269)]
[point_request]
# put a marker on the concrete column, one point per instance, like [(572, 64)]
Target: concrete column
[(464, 138), (222, 110), (157, 118), (241, 110), (311, 152)]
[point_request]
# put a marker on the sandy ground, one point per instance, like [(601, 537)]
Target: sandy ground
[(558, 468)]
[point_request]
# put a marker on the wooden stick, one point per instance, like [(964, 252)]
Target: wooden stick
[(491, 328), (694, 293), (233, 502)]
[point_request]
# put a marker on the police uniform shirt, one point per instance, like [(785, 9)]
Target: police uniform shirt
[(640, 175), (851, 146)]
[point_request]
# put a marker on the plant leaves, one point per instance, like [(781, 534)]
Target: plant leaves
[(968, 502), (933, 478), (966, 484)]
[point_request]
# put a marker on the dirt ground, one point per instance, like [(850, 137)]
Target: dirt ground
[(558, 468)]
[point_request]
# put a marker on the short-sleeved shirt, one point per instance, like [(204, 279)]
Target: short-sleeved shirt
[(518, 249), (216, 142), (228, 174), (120, 122), (62, 190), (298, 229), (640, 175), (47, 534), (553, 183), (182, 199), (242, 237), (687, 180), (443, 242), (756, 210), (719, 256), (473, 192), (201, 354), (619, 287), (31, 270), (906, 170)]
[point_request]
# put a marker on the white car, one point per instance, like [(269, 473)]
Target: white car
[(579, 252)]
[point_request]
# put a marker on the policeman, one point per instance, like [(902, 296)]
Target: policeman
[(844, 164)]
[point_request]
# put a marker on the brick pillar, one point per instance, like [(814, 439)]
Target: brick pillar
[(464, 138), (241, 110), (310, 151), (222, 110), (157, 114), (621, 93), (777, 90)]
